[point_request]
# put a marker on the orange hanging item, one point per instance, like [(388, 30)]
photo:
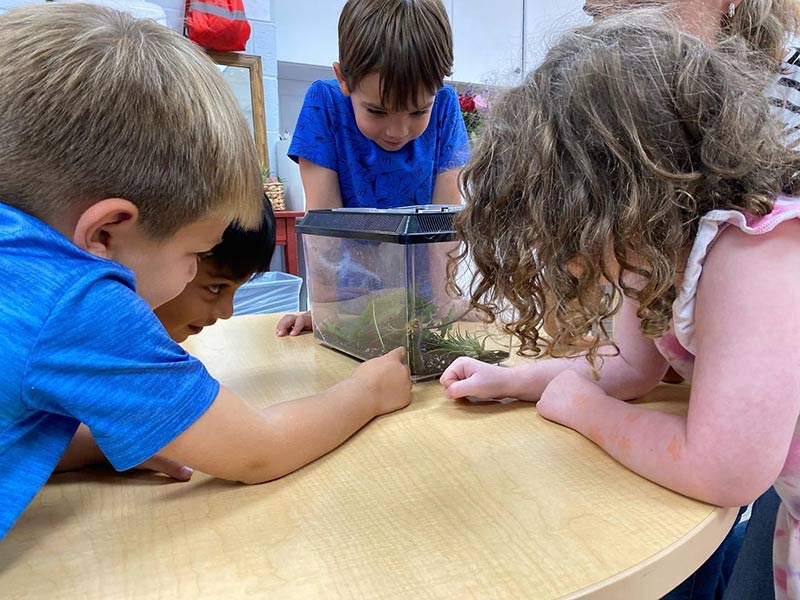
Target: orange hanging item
[(219, 25)]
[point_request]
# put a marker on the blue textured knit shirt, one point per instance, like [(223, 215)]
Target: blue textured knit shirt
[(79, 346), (369, 176)]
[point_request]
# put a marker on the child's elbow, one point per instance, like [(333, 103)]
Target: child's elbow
[(641, 385), (739, 484), (730, 498), (256, 476), (261, 471), (248, 472)]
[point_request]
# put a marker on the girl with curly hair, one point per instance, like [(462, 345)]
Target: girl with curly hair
[(639, 173), (771, 27)]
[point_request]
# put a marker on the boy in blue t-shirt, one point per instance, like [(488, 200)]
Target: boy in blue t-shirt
[(387, 132), (123, 159), (208, 297)]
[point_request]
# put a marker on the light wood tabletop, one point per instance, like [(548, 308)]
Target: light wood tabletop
[(441, 500)]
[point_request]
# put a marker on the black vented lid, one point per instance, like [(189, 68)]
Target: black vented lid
[(405, 225)]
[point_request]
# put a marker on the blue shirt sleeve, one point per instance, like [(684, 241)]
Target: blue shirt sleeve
[(314, 138), (103, 358), (452, 150)]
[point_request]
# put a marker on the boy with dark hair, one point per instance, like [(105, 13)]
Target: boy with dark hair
[(221, 271), (124, 158)]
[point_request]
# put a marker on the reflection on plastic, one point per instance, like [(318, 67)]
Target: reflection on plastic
[(272, 292)]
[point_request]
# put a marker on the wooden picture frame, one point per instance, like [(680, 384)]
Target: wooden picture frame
[(254, 112)]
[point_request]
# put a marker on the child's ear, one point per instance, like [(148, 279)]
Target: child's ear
[(337, 68), (103, 224)]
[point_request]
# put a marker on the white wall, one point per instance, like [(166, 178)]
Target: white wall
[(545, 20), (307, 30)]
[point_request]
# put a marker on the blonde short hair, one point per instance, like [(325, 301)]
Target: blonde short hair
[(95, 104)]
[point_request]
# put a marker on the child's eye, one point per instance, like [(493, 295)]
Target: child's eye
[(215, 288), (377, 113), (419, 113)]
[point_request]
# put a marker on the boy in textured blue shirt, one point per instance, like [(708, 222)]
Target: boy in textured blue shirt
[(387, 132), (124, 157)]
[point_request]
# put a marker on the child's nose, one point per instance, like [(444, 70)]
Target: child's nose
[(397, 129), (223, 309)]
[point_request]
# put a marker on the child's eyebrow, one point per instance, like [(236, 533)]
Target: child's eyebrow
[(372, 106)]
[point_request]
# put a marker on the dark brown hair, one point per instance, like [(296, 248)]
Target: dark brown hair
[(616, 145), (407, 42), (95, 104)]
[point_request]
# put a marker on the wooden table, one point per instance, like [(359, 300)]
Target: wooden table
[(285, 236), (440, 500)]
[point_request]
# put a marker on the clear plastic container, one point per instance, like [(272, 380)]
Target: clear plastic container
[(377, 281)]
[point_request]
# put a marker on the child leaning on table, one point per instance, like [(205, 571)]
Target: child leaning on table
[(221, 271), (386, 132), (126, 163), (639, 172)]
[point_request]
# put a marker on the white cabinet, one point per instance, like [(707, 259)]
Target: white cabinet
[(487, 40)]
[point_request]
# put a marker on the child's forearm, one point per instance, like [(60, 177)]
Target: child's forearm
[(617, 377), (235, 440), (81, 452), (307, 428), (656, 446)]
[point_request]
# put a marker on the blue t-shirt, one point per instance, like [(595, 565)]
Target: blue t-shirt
[(369, 176), (79, 345)]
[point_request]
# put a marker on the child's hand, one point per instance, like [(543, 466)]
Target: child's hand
[(387, 379), (470, 377), (566, 395), (293, 324)]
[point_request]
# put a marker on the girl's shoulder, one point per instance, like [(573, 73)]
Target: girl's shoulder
[(711, 228), (713, 222)]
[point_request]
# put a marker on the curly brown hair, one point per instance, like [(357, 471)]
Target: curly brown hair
[(615, 146)]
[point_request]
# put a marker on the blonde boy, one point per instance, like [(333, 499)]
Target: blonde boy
[(122, 158)]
